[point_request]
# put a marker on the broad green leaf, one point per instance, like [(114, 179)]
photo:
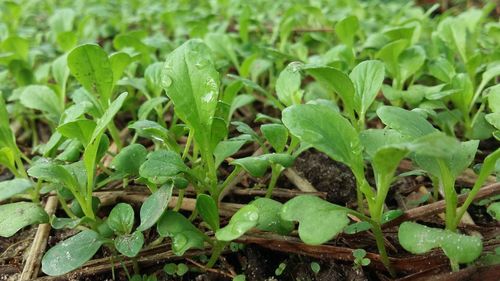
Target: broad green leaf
[(90, 65), (269, 216), (288, 84), (12, 187), (54, 173), (129, 244), (367, 78), (60, 70), (390, 55), (419, 239), (242, 221), (410, 124), (6, 136), (493, 119), (207, 208), (67, 223), (71, 253), (326, 130), (374, 139), (161, 165), (410, 61), (42, 98), (183, 233), (442, 69), (150, 129), (15, 216), (276, 134), (154, 207), (119, 61), (227, 148), (319, 220), (152, 74), (80, 130), (121, 218), (191, 81), (346, 29), (336, 81), (130, 159)]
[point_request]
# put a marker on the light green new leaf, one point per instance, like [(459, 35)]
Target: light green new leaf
[(258, 165), (494, 210), (121, 218), (410, 61), (276, 134), (326, 130), (90, 65), (390, 55), (12, 187), (207, 208), (410, 124), (80, 130), (346, 29), (119, 61), (183, 233), (419, 239), (319, 220), (15, 216), (152, 209), (269, 216), (367, 78), (242, 221), (71, 253), (227, 148), (288, 84), (336, 81), (161, 165), (191, 81), (54, 173), (129, 244), (42, 98), (129, 159)]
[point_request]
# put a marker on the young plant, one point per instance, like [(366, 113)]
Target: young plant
[(445, 168)]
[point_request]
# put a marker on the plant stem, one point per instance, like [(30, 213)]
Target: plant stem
[(188, 144), (379, 238), (115, 135), (216, 251), (275, 174), (227, 181), (178, 204), (454, 266)]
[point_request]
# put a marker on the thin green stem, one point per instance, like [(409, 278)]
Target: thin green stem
[(227, 181), (216, 252), (275, 174), (379, 238), (178, 204), (188, 144), (115, 135)]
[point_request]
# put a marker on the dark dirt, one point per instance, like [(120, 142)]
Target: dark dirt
[(12, 251), (327, 175)]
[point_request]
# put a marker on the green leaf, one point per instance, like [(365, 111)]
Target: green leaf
[(288, 84), (242, 221), (327, 131), (152, 209), (410, 124), (367, 78), (161, 165), (15, 216), (319, 221), (150, 129), (184, 234), (227, 148), (258, 165), (419, 239), (207, 208), (410, 61), (80, 130), (12, 187), (90, 65), (148, 106), (494, 210), (269, 216), (192, 83), (130, 158), (390, 55), (374, 139), (42, 98), (121, 218), (7, 159), (71, 253), (119, 61), (346, 29), (54, 173), (337, 81), (276, 134), (129, 244)]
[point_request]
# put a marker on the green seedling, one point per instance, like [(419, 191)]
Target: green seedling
[(359, 258)]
